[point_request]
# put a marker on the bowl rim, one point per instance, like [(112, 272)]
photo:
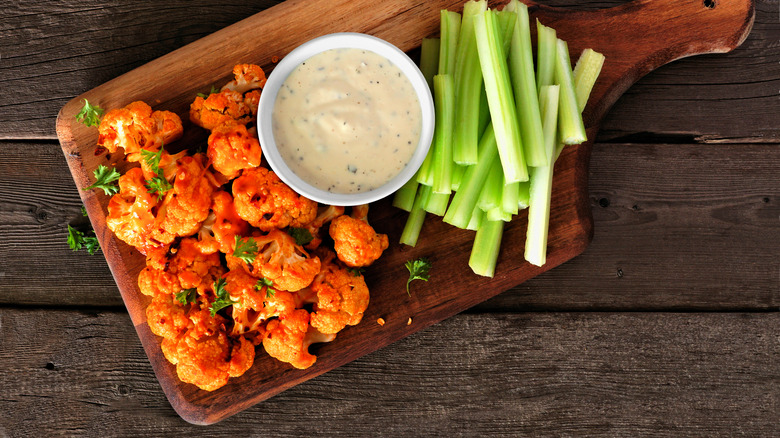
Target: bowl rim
[(336, 41)]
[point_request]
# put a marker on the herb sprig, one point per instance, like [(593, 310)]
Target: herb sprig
[(418, 270), (214, 90), (246, 250), (90, 114), (77, 240), (186, 296), (223, 297), (105, 178), (158, 184), (302, 236), (269, 291)]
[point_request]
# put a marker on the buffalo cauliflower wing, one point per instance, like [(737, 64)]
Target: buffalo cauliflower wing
[(355, 241), (341, 297), (288, 339), (256, 303), (263, 200), (231, 149), (283, 262), (247, 77), (219, 108), (137, 127), (131, 212)]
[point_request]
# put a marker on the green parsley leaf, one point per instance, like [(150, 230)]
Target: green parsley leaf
[(246, 250), (77, 240), (152, 159), (104, 179), (214, 90), (269, 292), (223, 297), (356, 272), (158, 185), (418, 270), (83, 211), (302, 236), (89, 114), (187, 296)]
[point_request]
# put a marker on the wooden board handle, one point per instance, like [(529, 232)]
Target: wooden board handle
[(643, 35)]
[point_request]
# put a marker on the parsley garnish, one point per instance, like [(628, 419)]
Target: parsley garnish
[(302, 236), (187, 296), (214, 90), (223, 297), (89, 114), (83, 211), (356, 272), (77, 240), (246, 250), (158, 184), (104, 179), (269, 292), (418, 270)]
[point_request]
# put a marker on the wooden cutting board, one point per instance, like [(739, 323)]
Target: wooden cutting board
[(636, 38)]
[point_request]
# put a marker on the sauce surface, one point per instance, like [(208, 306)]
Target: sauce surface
[(347, 120)]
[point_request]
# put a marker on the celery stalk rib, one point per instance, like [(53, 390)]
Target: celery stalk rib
[(546, 40), (414, 222), (500, 97), (570, 125), (445, 113), (487, 243)]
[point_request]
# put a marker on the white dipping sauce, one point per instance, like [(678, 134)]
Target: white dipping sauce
[(347, 120)]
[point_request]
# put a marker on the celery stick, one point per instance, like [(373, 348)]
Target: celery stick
[(465, 199), (510, 197), (445, 112), (506, 24), (477, 216), (436, 203), (586, 71), (570, 125), (523, 195), (541, 183), (457, 176), (415, 220), (500, 97), (425, 173), (484, 112), (490, 195), (521, 73), (484, 253), (429, 59), (468, 86), (546, 40), (449, 32), (404, 197)]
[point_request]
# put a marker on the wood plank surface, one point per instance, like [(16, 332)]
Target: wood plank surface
[(682, 223), (44, 66), (638, 374)]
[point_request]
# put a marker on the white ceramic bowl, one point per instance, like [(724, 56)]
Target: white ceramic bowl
[(306, 51)]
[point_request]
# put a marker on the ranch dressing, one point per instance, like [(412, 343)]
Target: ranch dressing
[(347, 120)]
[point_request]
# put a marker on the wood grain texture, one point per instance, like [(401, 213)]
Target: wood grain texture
[(81, 373), (668, 36), (681, 237), (48, 57)]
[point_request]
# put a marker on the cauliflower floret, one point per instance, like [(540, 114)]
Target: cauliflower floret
[(341, 298), (186, 206), (247, 77), (166, 317), (252, 100), (256, 303), (167, 165), (281, 261), (355, 241), (326, 213), (289, 337), (223, 223), (218, 108), (183, 266), (231, 149), (152, 282), (137, 127), (264, 201), (130, 212)]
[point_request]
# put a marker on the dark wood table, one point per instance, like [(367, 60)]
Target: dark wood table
[(667, 325)]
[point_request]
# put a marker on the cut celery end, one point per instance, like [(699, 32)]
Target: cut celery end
[(477, 216), (425, 173), (523, 195), (570, 125), (436, 203), (457, 176), (487, 243), (545, 56), (498, 214), (442, 163), (404, 197), (490, 195), (500, 96), (448, 41), (510, 197), (465, 199), (586, 71), (521, 73), (414, 222), (429, 59)]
